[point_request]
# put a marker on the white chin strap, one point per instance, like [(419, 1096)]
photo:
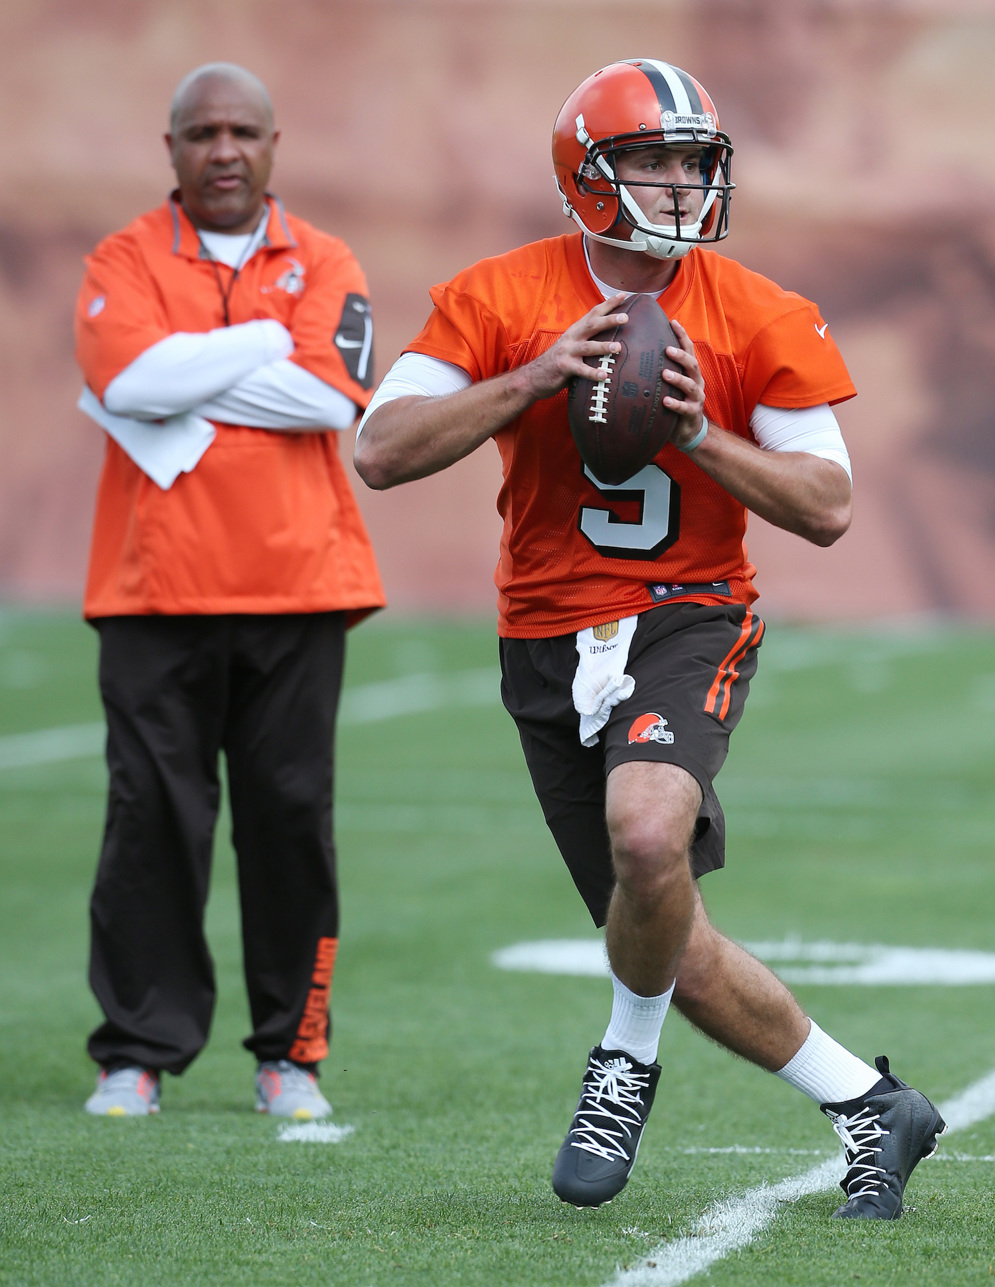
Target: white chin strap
[(643, 243)]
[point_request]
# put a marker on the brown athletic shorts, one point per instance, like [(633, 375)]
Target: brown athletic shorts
[(692, 664)]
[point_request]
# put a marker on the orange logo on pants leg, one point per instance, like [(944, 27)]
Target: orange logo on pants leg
[(312, 1034), (650, 727)]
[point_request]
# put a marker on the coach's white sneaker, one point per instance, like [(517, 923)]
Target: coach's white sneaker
[(284, 1090), (125, 1092)]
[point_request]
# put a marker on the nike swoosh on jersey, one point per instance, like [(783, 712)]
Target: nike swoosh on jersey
[(822, 329)]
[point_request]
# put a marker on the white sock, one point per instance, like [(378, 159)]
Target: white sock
[(826, 1071), (636, 1022)]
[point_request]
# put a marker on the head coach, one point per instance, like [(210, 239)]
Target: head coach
[(222, 342)]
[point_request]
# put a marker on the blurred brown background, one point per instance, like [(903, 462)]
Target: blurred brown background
[(418, 130)]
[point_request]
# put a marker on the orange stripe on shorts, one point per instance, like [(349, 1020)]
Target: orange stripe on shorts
[(720, 693)]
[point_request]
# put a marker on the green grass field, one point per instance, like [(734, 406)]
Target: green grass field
[(859, 793)]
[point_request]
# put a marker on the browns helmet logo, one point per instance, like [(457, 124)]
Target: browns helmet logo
[(291, 281), (650, 727)]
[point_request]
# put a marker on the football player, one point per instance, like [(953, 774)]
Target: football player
[(628, 635)]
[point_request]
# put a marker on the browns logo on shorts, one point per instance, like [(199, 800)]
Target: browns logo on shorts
[(650, 727)]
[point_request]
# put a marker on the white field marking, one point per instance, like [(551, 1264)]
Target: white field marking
[(731, 1224), (577, 956), (469, 819), (413, 694), (410, 695), (868, 965), (971, 1106), (741, 1148), (314, 1133), (874, 964), (887, 641), (50, 745)]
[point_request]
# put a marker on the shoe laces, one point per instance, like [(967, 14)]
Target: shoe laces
[(860, 1135), (613, 1092)]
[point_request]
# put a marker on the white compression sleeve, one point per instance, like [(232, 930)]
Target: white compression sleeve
[(414, 373), (811, 429), (281, 395), (186, 369)]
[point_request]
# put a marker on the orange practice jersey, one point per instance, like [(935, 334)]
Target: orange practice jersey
[(266, 522), (574, 552)]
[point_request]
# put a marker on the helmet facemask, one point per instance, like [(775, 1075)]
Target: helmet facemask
[(674, 239)]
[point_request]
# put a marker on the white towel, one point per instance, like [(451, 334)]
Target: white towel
[(163, 449), (600, 682)]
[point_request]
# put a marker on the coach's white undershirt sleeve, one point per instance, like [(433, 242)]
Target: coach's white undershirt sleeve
[(189, 368), (414, 373), (282, 395), (811, 429)]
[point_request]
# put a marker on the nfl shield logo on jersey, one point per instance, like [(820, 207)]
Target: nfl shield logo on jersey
[(650, 727)]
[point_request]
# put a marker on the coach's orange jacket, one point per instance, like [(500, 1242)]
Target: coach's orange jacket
[(266, 522)]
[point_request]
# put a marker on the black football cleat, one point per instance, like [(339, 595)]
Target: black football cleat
[(599, 1152), (885, 1134)]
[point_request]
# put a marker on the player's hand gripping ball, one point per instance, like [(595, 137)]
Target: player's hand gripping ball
[(620, 423)]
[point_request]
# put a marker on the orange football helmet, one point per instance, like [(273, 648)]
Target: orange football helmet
[(633, 104)]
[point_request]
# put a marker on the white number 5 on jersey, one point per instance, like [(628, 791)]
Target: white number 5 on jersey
[(654, 531)]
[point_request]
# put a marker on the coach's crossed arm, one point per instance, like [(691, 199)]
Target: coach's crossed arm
[(233, 374)]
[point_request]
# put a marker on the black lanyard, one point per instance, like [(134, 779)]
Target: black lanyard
[(226, 294)]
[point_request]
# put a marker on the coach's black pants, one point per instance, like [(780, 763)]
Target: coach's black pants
[(176, 691)]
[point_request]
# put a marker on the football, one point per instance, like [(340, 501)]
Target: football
[(620, 423)]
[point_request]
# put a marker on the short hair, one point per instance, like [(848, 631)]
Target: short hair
[(223, 71)]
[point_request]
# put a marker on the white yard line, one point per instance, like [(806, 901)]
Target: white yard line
[(742, 1148), (50, 745), (413, 694), (314, 1133), (733, 1223), (410, 695), (862, 964), (976, 1104)]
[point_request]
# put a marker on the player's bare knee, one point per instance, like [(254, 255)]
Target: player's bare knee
[(646, 837), (648, 860)]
